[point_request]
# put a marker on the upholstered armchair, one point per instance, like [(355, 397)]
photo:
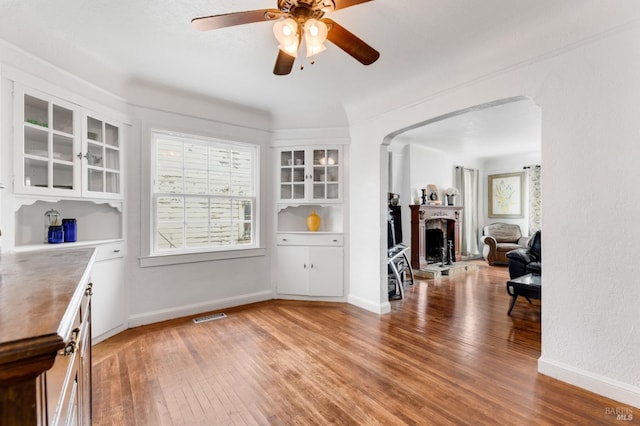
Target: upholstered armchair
[(528, 260), (499, 239)]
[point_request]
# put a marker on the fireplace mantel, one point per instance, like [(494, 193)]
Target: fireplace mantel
[(420, 215)]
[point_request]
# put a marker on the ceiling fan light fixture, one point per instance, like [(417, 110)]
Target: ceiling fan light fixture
[(315, 34), (286, 32)]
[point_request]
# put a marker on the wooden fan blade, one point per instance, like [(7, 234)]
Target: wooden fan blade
[(351, 44), (284, 63), (215, 22), (341, 4)]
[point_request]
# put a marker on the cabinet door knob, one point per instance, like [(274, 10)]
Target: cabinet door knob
[(89, 290), (311, 266), (304, 266)]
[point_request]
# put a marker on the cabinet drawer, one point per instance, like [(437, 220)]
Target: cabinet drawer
[(308, 239), (111, 250)]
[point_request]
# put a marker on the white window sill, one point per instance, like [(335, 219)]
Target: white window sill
[(178, 258)]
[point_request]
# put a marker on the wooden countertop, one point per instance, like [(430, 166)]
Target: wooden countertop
[(40, 292)]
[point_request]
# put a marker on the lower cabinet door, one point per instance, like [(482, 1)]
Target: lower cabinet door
[(292, 270), (325, 271), (310, 271)]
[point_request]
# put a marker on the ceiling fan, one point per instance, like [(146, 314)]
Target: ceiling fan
[(295, 21)]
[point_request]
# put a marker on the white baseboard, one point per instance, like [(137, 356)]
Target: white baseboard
[(376, 308), (622, 392), (197, 308), (104, 336)]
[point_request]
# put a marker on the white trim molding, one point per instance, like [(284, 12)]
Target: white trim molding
[(137, 320), (596, 383), (380, 308)]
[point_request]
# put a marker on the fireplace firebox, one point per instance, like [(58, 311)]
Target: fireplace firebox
[(432, 228)]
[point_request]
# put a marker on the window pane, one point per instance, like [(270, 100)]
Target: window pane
[(170, 181), (221, 234), (244, 236), (195, 156), (241, 162), (219, 160), (219, 183), (195, 182), (221, 210), (242, 213), (197, 210), (242, 210), (169, 154), (170, 209), (241, 185), (169, 236), (197, 235)]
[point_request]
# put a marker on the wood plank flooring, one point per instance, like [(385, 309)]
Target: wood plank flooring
[(448, 354)]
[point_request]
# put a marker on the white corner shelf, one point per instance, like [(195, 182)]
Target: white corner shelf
[(293, 218)]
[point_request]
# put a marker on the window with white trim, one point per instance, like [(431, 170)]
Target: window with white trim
[(203, 194)]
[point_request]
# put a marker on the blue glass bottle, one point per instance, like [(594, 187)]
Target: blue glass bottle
[(69, 226), (56, 234)]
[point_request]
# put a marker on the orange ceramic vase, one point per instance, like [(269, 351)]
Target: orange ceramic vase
[(313, 222)]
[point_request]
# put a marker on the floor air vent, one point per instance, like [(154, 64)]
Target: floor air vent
[(209, 318)]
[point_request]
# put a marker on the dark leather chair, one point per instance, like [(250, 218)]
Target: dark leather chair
[(527, 260)]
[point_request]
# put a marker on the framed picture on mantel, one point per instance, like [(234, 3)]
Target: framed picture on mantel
[(506, 195)]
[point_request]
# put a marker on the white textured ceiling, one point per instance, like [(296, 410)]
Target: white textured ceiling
[(422, 43), (488, 131)]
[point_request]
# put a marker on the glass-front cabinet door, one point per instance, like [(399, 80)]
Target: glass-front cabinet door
[(293, 175), (309, 175), (101, 176), (326, 174), (46, 129)]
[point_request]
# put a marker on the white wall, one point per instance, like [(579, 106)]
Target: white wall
[(590, 101)]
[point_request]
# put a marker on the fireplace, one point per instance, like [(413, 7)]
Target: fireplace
[(432, 227)]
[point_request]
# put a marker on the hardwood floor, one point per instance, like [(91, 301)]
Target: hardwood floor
[(447, 354)]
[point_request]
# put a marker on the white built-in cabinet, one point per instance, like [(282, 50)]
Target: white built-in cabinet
[(64, 150), (309, 264), (69, 158)]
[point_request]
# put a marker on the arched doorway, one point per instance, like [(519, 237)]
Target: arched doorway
[(495, 137)]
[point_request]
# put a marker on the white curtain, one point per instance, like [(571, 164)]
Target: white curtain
[(466, 180), (535, 198)]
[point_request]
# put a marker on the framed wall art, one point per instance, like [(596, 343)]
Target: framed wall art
[(506, 195)]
